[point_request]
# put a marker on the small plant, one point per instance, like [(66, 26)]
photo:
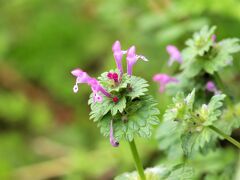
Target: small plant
[(192, 125), (120, 104)]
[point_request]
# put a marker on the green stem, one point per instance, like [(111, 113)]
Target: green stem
[(137, 160), (225, 136)]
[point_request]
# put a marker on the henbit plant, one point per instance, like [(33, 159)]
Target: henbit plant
[(201, 61), (120, 104), (199, 127), (190, 126)]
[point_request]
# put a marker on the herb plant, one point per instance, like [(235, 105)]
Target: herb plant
[(193, 125), (120, 104)]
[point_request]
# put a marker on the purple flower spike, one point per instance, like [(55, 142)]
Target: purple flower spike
[(163, 80), (175, 55), (118, 54), (113, 141), (210, 86)]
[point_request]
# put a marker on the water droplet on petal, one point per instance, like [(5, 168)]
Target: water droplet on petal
[(75, 88)]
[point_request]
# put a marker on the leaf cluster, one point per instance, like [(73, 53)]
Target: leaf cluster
[(188, 123), (134, 114), (202, 58)]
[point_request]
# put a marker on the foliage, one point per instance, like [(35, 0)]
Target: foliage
[(180, 171), (134, 114), (41, 41), (191, 124), (203, 57)]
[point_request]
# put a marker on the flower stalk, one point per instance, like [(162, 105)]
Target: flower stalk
[(137, 160), (225, 136)]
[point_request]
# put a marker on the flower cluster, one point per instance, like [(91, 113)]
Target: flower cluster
[(119, 99), (97, 88)]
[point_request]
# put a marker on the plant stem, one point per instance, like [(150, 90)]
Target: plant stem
[(225, 136), (137, 160)]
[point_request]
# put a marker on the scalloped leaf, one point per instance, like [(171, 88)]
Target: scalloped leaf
[(138, 87), (98, 110), (192, 123), (137, 122)]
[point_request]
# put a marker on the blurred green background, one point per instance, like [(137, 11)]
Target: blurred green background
[(45, 132)]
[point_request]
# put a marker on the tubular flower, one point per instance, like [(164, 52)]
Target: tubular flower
[(83, 77), (210, 86), (163, 80), (132, 59), (174, 53), (118, 54), (113, 141)]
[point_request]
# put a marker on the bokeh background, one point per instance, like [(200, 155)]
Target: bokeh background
[(45, 131)]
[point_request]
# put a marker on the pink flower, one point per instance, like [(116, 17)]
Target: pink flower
[(113, 141), (83, 77), (163, 80), (174, 53), (214, 38), (118, 54), (132, 58), (210, 86), (97, 87)]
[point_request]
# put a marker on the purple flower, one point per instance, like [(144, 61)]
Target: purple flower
[(118, 54), (83, 77), (113, 141), (132, 58), (214, 38), (174, 53), (210, 86), (97, 87), (163, 80)]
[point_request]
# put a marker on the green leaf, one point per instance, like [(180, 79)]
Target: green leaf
[(201, 41), (191, 122), (119, 106), (178, 172), (181, 172), (229, 122), (138, 87), (203, 54), (189, 100), (211, 112), (98, 110), (154, 173), (133, 123), (197, 141)]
